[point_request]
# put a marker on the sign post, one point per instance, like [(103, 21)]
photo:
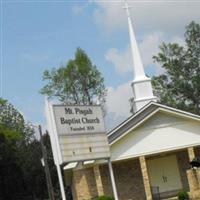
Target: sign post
[(62, 188), (112, 179), (46, 167)]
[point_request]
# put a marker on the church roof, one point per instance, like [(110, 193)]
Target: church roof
[(142, 115)]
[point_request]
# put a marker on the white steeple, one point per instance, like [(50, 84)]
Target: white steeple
[(141, 84)]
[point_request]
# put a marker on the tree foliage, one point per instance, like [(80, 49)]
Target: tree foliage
[(11, 183), (179, 86), (10, 117), (79, 82), (22, 175)]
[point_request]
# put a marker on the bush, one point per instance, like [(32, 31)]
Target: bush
[(183, 195), (103, 198)]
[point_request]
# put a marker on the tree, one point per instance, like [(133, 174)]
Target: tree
[(179, 86), (29, 158), (79, 82), (21, 172), (11, 182), (10, 117)]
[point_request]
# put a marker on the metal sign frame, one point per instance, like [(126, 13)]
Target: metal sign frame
[(88, 145), (57, 151)]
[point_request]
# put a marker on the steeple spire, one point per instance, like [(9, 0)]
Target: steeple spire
[(137, 61), (141, 84)]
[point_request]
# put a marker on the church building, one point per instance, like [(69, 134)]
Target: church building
[(150, 151)]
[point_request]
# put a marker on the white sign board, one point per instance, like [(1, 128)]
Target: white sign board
[(77, 133), (78, 119)]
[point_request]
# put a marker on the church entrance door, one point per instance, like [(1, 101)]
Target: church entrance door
[(164, 173)]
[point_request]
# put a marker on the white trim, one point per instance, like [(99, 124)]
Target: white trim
[(49, 124), (145, 99), (142, 79), (157, 152), (54, 132), (164, 126), (151, 153), (161, 107), (174, 112), (175, 109), (129, 119), (180, 113), (131, 129)]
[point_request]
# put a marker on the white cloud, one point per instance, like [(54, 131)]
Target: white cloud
[(178, 40), (109, 15), (149, 46), (121, 59), (118, 99), (77, 10), (117, 104), (168, 16)]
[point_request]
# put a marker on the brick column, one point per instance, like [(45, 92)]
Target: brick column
[(192, 180), (198, 175), (193, 176), (191, 153), (193, 183), (98, 180), (145, 176)]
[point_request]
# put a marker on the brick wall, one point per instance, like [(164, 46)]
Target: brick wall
[(183, 163), (128, 178), (106, 181), (197, 151), (84, 185)]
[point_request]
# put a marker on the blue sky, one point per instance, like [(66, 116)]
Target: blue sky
[(39, 35)]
